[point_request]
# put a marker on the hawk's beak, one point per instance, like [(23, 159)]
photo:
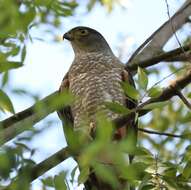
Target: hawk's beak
[(68, 36)]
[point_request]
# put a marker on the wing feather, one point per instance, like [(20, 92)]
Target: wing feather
[(65, 114)]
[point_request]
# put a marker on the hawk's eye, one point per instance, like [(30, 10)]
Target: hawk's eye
[(83, 32)]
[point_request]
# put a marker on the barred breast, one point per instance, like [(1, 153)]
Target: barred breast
[(94, 80)]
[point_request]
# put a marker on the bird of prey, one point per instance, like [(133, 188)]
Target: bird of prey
[(94, 77)]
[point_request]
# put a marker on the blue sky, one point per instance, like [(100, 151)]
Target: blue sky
[(47, 62)]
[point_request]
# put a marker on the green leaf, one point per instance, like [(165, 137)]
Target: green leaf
[(9, 65), (189, 95), (145, 182), (156, 105), (59, 181), (73, 173), (117, 108), (48, 182), (5, 102), (187, 170), (170, 172), (105, 172), (5, 79), (130, 91), (155, 92), (148, 187), (135, 171), (23, 54), (142, 78), (171, 181), (84, 173)]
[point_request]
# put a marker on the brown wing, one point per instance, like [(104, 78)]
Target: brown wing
[(131, 128), (65, 114)]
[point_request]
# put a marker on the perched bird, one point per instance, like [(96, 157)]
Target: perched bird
[(94, 77)]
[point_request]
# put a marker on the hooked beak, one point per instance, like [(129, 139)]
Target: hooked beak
[(68, 36)]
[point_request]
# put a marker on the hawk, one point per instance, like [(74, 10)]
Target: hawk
[(94, 77)]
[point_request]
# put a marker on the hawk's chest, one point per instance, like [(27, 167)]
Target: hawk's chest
[(95, 81), (95, 76)]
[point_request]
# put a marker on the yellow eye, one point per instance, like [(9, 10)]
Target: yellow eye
[(83, 32)]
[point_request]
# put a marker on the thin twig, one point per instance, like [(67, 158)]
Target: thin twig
[(172, 26), (161, 133)]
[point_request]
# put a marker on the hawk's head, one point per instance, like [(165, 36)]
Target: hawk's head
[(85, 39)]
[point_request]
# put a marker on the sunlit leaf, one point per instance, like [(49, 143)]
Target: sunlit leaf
[(107, 174), (117, 108), (84, 173), (135, 171), (156, 105), (189, 95), (142, 78), (155, 92), (59, 181), (9, 65), (48, 181), (5, 102), (130, 91), (5, 79)]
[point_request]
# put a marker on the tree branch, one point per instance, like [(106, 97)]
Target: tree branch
[(166, 94), (174, 55), (13, 126), (42, 167), (154, 44), (25, 119), (64, 154), (183, 98)]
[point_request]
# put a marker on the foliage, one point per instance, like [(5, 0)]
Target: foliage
[(164, 164)]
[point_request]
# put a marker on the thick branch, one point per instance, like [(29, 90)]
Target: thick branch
[(154, 44), (63, 154), (174, 55), (25, 114), (14, 127), (25, 119)]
